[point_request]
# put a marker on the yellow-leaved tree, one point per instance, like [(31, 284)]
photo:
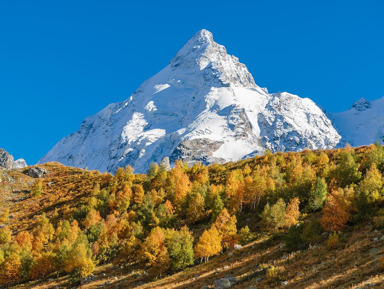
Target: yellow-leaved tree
[(209, 244)]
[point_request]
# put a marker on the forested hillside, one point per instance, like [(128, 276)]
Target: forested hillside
[(70, 224)]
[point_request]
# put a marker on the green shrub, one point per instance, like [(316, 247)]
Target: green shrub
[(246, 236), (312, 232), (293, 240)]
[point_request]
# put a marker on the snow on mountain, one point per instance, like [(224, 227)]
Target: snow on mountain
[(362, 124), (203, 106)]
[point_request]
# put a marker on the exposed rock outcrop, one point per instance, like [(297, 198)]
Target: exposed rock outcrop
[(7, 161)]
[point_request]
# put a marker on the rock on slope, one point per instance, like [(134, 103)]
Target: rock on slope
[(203, 106), (7, 161), (362, 124)]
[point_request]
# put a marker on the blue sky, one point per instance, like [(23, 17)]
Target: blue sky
[(61, 61)]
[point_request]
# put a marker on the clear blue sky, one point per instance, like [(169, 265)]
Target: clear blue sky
[(61, 61)]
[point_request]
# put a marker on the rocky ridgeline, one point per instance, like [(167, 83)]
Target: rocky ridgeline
[(7, 161)]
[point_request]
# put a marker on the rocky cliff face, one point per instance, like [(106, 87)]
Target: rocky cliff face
[(7, 161), (203, 106)]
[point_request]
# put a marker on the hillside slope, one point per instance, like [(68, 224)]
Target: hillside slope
[(312, 219)]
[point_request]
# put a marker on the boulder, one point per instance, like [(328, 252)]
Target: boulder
[(232, 280), (88, 279), (36, 172), (373, 251), (237, 246), (222, 283)]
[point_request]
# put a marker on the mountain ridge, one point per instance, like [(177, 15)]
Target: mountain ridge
[(362, 124), (8, 162)]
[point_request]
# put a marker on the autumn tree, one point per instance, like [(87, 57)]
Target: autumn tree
[(374, 155), (43, 265), (225, 224), (129, 250), (274, 217), (371, 186), (153, 170), (92, 218), (123, 198), (209, 244), (138, 194), (335, 213), (214, 201), (37, 188), (347, 170), (165, 213), (79, 259), (10, 269), (299, 178), (158, 196), (199, 173), (195, 210), (24, 240), (43, 232), (5, 235), (247, 170), (256, 187), (235, 191), (292, 212), (154, 252), (178, 183), (73, 232)]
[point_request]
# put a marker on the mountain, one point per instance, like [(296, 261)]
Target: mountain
[(362, 124), (203, 106), (7, 161)]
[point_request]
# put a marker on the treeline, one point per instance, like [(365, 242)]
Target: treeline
[(167, 220)]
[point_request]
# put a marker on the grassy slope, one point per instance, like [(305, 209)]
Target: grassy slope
[(354, 264)]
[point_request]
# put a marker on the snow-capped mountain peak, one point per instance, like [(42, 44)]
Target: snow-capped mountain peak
[(361, 104), (202, 53), (203, 106), (362, 124)]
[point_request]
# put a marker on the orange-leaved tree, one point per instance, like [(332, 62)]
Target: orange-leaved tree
[(292, 212), (336, 212)]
